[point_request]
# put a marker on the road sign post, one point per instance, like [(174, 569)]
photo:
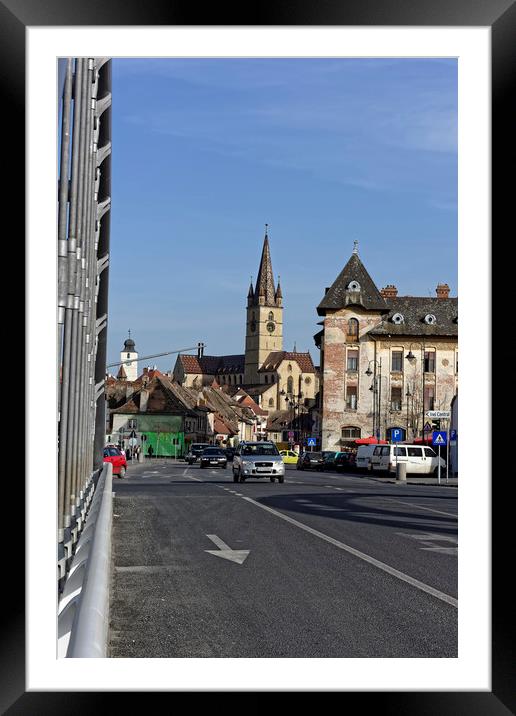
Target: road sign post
[(439, 437)]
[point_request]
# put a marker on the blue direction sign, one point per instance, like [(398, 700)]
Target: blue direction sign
[(311, 442), (396, 435), (439, 437)]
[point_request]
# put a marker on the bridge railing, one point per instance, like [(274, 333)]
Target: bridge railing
[(84, 202)]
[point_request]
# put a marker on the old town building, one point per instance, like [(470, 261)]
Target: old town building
[(385, 359), (270, 375)]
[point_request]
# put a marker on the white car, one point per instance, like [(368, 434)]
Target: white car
[(420, 459), (258, 459)]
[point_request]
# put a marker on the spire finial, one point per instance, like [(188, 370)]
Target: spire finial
[(266, 229), (129, 332), (295, 351), (355, 246)]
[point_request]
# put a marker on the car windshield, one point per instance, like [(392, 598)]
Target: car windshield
[(111, 452), (263, 449), (213, 451), (314, 455)]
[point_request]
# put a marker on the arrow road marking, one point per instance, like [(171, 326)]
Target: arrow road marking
[(234, 555)]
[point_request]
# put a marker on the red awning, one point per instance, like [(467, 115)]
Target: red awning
[(420, 440), (370, 441)]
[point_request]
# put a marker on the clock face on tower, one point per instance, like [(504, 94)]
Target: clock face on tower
[(270, 326)]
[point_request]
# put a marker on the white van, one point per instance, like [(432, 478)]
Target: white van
[(420, 459), (363, 458)]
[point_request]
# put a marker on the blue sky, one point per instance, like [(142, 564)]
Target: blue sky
[(326, 151)]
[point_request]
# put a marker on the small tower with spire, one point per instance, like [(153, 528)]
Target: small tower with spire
[(129, 354), (264, 328)]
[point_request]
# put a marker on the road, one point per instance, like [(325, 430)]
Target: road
[(323, 565)]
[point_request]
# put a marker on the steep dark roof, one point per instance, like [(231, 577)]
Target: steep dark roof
[(265, 281), (414, 309), (339, 296)]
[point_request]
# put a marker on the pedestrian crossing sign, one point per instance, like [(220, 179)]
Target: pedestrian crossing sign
[(439, 437)]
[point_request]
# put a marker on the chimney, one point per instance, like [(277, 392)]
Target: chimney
[(442, 290), (144, 397), (200, 350), (390, 291)]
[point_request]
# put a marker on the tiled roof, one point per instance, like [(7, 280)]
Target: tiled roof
[(275, 358), (414, 309), (213, 365), (340, 296)]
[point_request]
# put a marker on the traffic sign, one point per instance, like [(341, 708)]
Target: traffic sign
[(439, 437), (438, 413), (396, 435), (311, 442), (427, 428), (453, 435)]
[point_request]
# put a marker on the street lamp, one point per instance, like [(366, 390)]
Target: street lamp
[(407, 395), (410, 356), (376, 387), (292, 401)]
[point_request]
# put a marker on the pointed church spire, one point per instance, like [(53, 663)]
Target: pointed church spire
[(264, 290), (251, 291), (278, 294)]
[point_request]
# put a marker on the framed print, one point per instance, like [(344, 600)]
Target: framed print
[(477, 680)]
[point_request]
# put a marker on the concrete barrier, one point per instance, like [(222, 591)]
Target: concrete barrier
[(83, 615)]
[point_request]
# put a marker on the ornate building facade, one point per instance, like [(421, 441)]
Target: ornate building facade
[(385, 359)]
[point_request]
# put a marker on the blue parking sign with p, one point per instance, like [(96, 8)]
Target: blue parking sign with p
[(396, 435)]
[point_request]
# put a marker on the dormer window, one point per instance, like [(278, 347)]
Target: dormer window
[(430, 319), (353, 286), (398, 318)]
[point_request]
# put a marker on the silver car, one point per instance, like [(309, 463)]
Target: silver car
[(258, 459)]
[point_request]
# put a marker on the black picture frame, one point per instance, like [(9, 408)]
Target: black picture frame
[(500, 16)]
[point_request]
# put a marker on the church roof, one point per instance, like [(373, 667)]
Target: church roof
[(344, 292), (275, 358), (265, 282), (213, 365)]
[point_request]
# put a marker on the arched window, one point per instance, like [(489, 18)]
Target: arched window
[(290, 385), (271, 402), (353, 328), (350, 432), (271, 316), (273, 380), (240, 380), (266, 378)]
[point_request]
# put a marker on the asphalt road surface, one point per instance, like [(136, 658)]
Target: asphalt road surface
[(323, 565)]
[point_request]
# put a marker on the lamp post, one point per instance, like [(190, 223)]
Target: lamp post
[(407, 395), (292, 401), (410, 356), (377, 395)]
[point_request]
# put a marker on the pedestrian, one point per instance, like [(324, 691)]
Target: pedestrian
[(150, 451)]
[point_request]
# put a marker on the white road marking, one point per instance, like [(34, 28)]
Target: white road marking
[(361, 555), (420, 507), (234, 555)]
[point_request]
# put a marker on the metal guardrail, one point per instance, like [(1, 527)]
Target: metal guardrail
[(83, 614), (84, 203)]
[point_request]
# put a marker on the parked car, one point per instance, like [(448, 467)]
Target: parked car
[(213, 457), (329, 459), (230, 452), (345, 461), (363, 457), (289, 457), (311, 461), (117, 458), (258, 459), (195, 451), (420, 460)]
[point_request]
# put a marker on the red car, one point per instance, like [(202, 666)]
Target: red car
[(117, 458)]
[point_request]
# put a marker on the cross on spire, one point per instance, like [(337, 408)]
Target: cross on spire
[(355, 246)]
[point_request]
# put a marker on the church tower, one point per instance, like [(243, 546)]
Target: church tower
[(264, 329), (128, 353)]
